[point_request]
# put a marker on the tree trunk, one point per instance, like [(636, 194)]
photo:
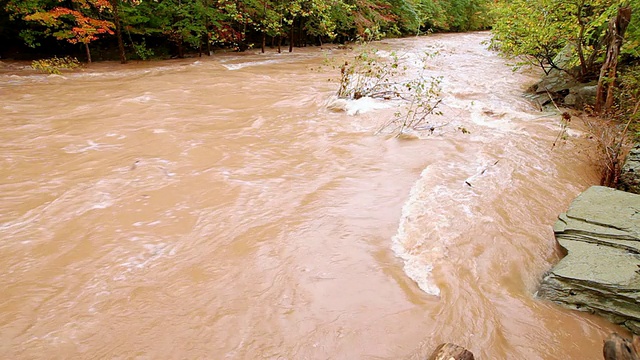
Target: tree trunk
[(279, 44), (264, 32), (291, 35), (116, 20), (208, 39), (207, 34), (86, 47), (583, 63), (302, 41), (448, 351), (606, 82), (243, 45), (180, 48)]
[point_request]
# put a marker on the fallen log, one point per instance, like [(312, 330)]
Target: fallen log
[(618, 348), (448, 351)]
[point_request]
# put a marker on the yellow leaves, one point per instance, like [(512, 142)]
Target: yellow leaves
[(55, 65), (44, 18)]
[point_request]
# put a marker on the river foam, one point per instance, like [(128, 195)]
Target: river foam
[(359, 106), (410, 240)]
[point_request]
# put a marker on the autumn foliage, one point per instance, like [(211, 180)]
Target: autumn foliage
[(200, 25), (83, 29)]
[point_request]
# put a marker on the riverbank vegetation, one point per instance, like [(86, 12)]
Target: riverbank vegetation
[(143, 29), (594, 45), (384, 76)]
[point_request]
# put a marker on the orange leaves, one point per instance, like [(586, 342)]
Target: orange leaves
[(73, 25)]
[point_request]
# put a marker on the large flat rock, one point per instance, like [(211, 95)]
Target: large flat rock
[(601, 272)]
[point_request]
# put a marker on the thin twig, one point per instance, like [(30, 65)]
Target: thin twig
[(481, 172)]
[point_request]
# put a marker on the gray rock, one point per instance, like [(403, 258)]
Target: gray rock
[(586, 91), (563, 57), (581, 94), (601, 272), (571, 99), (554, 87), (630, 176), (563, 87), (555, 82)]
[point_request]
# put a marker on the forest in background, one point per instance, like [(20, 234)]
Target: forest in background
[(590, 37), (143, 29), (589, 41)]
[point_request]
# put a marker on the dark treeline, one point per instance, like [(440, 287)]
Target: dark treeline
[(160, 28)]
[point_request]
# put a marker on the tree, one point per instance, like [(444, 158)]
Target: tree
[(608, 72), (537, 30), (191, 24), (316, 17), (534, 31), (182, 22), (115, 7), (78, 23), (465, 15)]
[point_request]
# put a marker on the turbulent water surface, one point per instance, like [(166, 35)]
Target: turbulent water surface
[(227, 207)]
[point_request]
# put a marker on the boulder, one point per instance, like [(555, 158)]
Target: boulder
[(571, 99), (582, 94), (601, 272), (449, 351), (617, 347), (555, 82), (564, 89), (555, 85), (558, 81), (630, 176), (562, 86)]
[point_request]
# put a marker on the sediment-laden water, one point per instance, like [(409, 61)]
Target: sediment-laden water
[(222, 208)]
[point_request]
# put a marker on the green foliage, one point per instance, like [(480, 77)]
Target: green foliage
[(432, 15), (370, 75), (425, 97), (465, 15), (407, 15), (30, 37), (629, 96), (535, 31), (192, 24), (631, 46), (55, 65), (454, 15), (182, 21), (142, 51)]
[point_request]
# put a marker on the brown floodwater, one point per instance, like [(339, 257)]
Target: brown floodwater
[(229, 207)]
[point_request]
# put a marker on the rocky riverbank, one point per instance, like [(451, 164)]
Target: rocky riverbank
[(601, 272), (630, 177)]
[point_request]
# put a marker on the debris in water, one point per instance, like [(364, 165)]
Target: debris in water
[(134, 165), (484, 170)]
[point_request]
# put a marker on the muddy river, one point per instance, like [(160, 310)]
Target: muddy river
[(226, 208)]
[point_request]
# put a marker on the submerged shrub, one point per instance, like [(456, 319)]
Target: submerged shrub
[(54, 65), (371, 75)]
